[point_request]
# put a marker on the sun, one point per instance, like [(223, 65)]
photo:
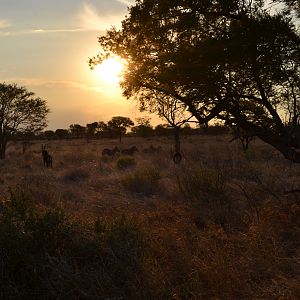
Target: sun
[(110, 70)]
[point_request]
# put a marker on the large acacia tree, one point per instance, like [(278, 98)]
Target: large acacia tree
[(233, 60), (20, 112)]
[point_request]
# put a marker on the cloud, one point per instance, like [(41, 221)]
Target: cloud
[(49, 83), (40, 31), (126, 2), (4, 24), (46, 83), (91, 19), (56, 30)]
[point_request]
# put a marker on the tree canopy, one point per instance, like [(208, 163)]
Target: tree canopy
[(20, 112), (229, 60), (119, 124)]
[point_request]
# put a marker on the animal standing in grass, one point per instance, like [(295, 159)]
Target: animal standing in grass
[(110, 152), (47, 158), (130, 151)]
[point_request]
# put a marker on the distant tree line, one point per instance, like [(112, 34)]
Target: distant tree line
[(113, 129)]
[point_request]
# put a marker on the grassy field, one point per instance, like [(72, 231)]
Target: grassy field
[(218, 226)]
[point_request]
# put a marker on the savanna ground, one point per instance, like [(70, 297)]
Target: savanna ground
[(217, 226)]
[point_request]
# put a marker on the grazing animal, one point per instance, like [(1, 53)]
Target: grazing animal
[(47, 158), (129, 151), (110, 152)]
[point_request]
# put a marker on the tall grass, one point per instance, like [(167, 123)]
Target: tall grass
[(144, 181), (73, 233), (207, 191), (46, 255)]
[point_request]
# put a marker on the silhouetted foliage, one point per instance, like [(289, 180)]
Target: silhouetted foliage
[(62, 133), (118, 126), (91, 130), (245, 137), (20, 112), (291, 5), (77, 131), (162, 130), (230, 60), (143, 129), (49, 134)]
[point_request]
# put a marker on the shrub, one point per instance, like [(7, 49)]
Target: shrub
[(125, 162), (105, 159), (206, 189), (144, 181), (76, 175), (121, 238), (200, 184), (46, 256), (27, 237)]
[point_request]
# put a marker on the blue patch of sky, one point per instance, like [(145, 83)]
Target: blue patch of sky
[(54, 14)]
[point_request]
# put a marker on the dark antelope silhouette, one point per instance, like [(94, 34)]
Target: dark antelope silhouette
[(47, 158), (110, 152), (129, 151)]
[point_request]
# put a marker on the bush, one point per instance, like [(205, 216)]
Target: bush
[(200, 184), (44, 255), (76, 175), (144, 181), (125, 162), (105, 159), (206, 189), (27, 238)]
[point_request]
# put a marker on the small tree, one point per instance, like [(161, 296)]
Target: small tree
[(119, 125), (170, 109), (144, 128), (162, 130), (49, 134), (62, 133), (77, 131), (20, 112), (102, 129), (244, 136), (91, 130)]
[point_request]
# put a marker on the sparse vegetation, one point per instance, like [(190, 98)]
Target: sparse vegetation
[(76, 175), (143, 181), (217, 226), (125, 162), (46, 255)]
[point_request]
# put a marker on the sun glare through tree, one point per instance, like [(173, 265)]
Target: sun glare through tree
[(110, 70)]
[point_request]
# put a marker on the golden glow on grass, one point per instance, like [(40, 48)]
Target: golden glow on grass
[(110, 70)]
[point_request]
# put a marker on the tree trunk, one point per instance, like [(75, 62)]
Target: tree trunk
[(120, 136), (177, 139), (281, 144), (287, 145), (287, 151), (2, 148)]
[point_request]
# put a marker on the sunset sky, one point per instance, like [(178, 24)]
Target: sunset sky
[(45, 45)]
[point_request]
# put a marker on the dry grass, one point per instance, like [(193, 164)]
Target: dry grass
[(217, 226)]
